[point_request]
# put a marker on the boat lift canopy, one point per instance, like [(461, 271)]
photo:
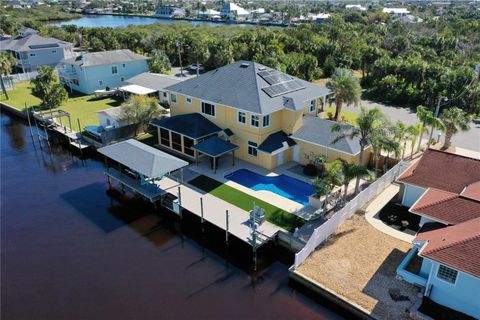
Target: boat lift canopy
[(147, 161)]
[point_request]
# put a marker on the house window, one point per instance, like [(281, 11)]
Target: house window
[(252, 148), (122, 79), (187, 146), (114, 70), (447, 274), (173, 97), (32, 54), (242, 117), (54, 51), (208, 108), (189, 100), (100, 82), (254, 121), (165, 137), (266, 121), (123, 65), (176, 141), (108, 122), (164, 94), (313, 105)]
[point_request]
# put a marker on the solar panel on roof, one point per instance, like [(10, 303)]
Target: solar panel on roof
[(284, 87), (44, 46), (264, 73), (277, 78)]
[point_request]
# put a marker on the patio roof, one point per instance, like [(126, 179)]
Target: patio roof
[(148, 161), (192, 125), (215, 147), (136, 89)]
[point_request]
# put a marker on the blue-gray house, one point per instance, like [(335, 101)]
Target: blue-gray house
[(444, 190), (100, 70)]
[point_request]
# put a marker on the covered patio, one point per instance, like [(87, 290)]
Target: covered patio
[(135, 90), (139, 167), (214, 147)]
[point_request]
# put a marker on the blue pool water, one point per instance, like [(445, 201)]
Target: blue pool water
[(285, 186)]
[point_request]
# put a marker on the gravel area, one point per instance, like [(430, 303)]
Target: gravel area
[(359, 263)]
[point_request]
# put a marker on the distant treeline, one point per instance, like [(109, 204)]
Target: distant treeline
[(400, 63)]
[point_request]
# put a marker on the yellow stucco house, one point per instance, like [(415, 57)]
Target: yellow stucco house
[(262, 115)]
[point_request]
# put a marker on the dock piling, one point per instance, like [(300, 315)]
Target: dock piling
[(226, 226), (29, 123)]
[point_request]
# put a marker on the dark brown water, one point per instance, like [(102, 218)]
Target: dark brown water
[(70, 250)]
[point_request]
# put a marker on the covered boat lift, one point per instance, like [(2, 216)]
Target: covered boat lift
[(140, 167)]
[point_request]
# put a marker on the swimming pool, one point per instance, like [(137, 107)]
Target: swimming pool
[(285, 186)]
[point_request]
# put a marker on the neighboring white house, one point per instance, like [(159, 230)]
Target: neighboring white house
[(398, 12), (411, 19), (232, 11), (31, 50), (356, 7), (209, 14), (17, 4), (319, 18), (170, 12), (98, 70), (112, 118)]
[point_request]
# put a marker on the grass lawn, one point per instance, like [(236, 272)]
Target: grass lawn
[(348, 116), (244, 201), (83, 107)]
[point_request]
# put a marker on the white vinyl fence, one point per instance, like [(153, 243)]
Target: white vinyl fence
[(17, 77), (321, 233)]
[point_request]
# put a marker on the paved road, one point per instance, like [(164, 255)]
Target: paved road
[(469, 140)]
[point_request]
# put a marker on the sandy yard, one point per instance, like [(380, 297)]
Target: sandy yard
[(359, 262)]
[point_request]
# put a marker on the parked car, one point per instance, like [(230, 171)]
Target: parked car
[(193, 67)]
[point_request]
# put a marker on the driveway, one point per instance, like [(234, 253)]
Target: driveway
[(468, 140)]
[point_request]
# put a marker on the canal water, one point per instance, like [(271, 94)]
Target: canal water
[(70, 249), (115, 21)]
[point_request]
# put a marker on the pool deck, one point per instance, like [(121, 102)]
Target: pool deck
[(225, 168)]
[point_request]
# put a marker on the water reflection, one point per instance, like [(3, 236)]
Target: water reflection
[(73, 249)]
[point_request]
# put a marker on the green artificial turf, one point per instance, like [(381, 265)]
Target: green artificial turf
[(273, 214)]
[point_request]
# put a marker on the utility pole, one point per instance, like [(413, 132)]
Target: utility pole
[(179, 57), (437, 111)]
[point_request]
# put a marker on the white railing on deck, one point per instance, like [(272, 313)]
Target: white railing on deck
[(321, 233)]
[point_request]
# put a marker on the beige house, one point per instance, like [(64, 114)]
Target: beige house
[(262, 111)]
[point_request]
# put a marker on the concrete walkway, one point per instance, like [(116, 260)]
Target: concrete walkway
[(373, 209)]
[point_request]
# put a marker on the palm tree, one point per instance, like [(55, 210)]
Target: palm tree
[(351, 171), (426, 118), (454, 120), (414, 131), (381, 141), (369, 123), (7, 61), (346, 88), (400, 135)]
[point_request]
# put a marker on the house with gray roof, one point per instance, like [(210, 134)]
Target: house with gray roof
[(155, 82), (32, 50), (93, 71), (271, 116)]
